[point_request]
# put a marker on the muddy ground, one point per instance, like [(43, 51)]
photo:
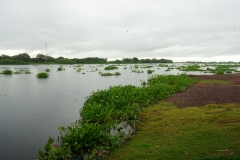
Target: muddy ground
[(201, 94)]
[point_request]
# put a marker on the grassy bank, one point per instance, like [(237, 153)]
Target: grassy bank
[(167, 132)]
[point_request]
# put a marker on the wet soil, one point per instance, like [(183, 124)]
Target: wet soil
[(201, 94)]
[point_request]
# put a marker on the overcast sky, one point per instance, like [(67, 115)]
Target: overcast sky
[(181, 30)]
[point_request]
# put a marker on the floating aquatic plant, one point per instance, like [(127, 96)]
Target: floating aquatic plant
[(42, 75), (7, 72)]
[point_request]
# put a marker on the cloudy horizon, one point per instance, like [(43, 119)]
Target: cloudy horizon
[(187, 30)]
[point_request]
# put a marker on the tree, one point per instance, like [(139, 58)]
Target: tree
[(49, 59), (22, 57), (127, 60), (41, 57), (3, 56), (135, 59)]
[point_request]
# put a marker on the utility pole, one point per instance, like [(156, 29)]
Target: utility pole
[(46, 53), (46, 49)]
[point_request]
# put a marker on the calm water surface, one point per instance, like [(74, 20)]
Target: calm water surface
[(31, 109)]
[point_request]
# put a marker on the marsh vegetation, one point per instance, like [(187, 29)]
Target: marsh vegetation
[(104, 110), (42, 75)]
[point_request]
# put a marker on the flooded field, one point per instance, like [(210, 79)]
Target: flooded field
[(31, 109)]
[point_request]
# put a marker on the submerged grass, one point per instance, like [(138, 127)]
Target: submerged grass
[(18, 72), (167, 132)]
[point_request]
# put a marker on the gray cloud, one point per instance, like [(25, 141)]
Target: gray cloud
[(193, 29)]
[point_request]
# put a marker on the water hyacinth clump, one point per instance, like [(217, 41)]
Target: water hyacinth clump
[(42, 75), (104, 110), (47, 70), (7, 72), (150, 71), (111, 67), (59, 69)]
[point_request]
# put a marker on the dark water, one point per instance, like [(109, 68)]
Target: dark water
[(31, 109)]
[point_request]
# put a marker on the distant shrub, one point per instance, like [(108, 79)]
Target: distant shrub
[(42, 75), (8, 72)]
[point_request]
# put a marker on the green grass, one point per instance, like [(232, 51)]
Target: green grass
[(42, 75), (167, 132)]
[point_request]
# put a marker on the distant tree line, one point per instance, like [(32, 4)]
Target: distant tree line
[(136, 60), (24, 58)]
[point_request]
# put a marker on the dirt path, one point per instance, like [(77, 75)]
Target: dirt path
[(202, 94)]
